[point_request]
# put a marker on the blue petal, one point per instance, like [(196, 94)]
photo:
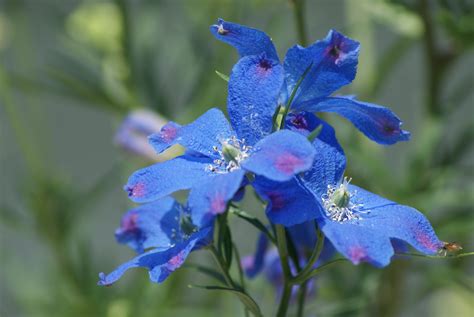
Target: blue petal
[(358, 244), (378, 123), (163, 179), (152, 225), (160, 263), (246, 40), (396, 221), (332, 62), (329, 164), (289, 203), (210, 198), (201, 136), (254, 86), (253, 264), (280, 156)]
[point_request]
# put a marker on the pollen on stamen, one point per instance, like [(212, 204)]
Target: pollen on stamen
[(221, 30), (341, 212), (222, 165)]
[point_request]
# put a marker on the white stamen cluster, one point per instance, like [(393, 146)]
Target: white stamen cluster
[(223, 164), (338, 211)]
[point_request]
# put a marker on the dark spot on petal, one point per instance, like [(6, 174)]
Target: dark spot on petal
[(277, 200), (334, 51), (265, 64), (300, 122)]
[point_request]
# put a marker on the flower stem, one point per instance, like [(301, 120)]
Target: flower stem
[(223, 267), (301, 299), (298, 9), (283, 252), (285, 300), (300, 278)]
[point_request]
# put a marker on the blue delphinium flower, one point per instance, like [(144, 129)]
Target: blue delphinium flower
[(325, 66), (217, 158), (360, 225), (162, 234)]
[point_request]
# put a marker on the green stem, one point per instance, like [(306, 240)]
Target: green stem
[(283, 252), (285, 300), (222, 266), (316, 271), (301, 299), (298, 9), (313, 258), (239, 267)]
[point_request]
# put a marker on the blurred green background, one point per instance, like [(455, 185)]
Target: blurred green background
[(71, 70)]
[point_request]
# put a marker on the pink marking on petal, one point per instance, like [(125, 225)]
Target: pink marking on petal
[(357, 254), (168, 132), (427, 241), (129, 222), (287, 163), (277, 200), (175, 261), (218, 205), (137, 190)]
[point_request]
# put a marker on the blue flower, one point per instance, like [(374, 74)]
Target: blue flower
[(362, 226), (217, 159), (163, 235), (329, 64)]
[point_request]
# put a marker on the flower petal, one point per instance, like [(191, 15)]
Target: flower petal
[(210, 198), (358, 244), (201, 136), (332, 62), (378, 123), (160, 263), (247, 41), (280, 156), (396, 221), (254, 86), (289, 203), (163, 179), (151, 225), (329, 164)]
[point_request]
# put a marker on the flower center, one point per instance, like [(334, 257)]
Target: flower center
[(233, 152), (338, 205)]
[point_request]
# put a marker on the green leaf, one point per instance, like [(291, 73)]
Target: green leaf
[(223, 76), (313, 135), (253, 221), (248, 301), (228, 246)]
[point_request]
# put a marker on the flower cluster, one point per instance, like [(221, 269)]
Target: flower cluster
[(275, 143)]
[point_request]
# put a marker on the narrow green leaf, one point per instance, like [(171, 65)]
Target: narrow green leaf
[(223, 76), (228, 247), (248, 301), (313, 135)]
